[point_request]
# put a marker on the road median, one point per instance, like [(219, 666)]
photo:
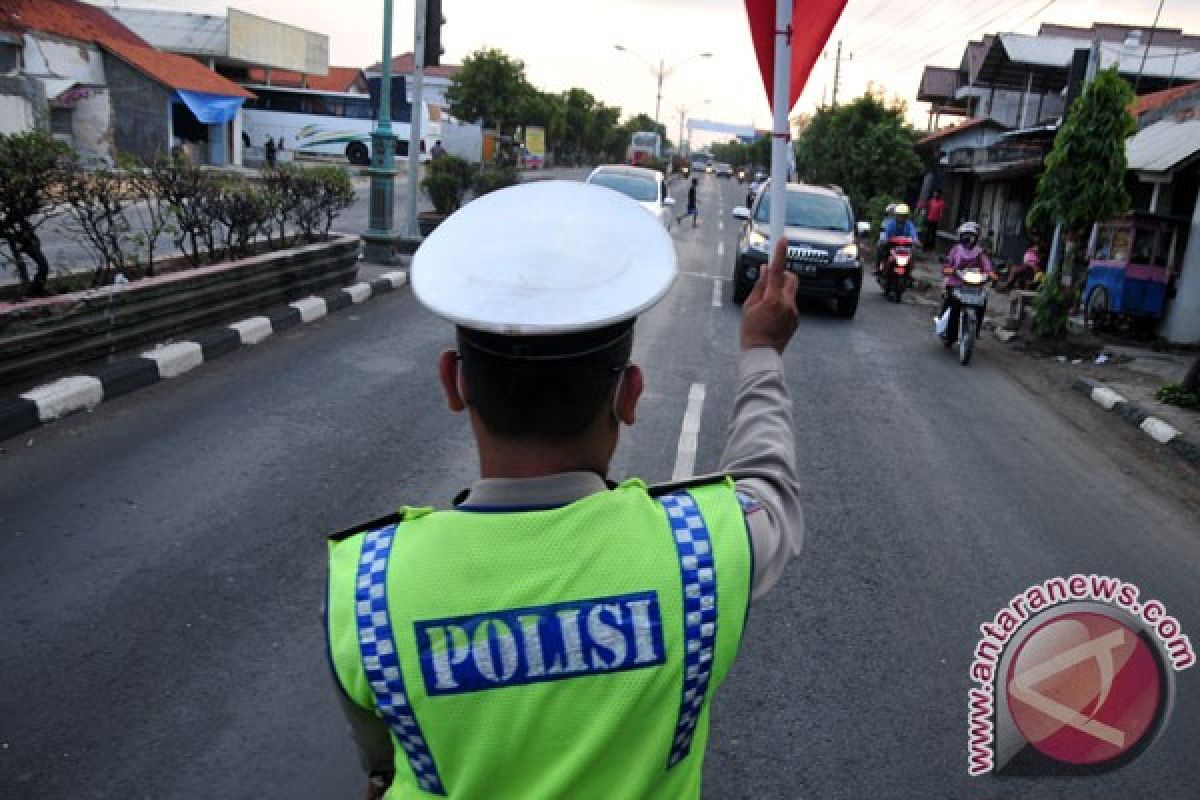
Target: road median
[(84, 392)]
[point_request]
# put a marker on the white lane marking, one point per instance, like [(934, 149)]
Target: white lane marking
[(689, 436), (720, 224), (175, 359), (359, 292), (397, 278), (253, 330), (716, 293), (1159, 430), (720, 249), (1106, 397), (65, 396), (310, 308), (702, 275)]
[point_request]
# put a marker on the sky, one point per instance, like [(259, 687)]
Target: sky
[(573, 43)]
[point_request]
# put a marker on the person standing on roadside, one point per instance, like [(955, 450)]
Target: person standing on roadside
[(933, 215), (556, 633)]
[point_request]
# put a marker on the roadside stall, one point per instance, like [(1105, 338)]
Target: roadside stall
[(1131, 270)]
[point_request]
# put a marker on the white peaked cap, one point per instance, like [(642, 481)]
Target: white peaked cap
[(544, 258)]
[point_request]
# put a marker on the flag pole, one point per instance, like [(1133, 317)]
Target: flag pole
[(780, 135)]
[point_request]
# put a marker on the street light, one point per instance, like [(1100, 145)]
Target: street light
[(381, 235), (682, 110), (660, 72)]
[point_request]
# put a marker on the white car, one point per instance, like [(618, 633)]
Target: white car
[(646, 186)]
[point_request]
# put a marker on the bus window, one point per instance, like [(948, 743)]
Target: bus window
[(285, 101), (359, 109), (327, 106)]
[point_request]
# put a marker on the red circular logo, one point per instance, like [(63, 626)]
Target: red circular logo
[(1084, 688)]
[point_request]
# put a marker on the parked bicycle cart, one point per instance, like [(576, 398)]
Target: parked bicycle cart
[(1131, 270)]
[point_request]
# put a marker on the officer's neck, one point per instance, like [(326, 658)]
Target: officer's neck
[(517, 458)]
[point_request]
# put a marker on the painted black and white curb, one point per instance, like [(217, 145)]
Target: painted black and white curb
[(1153, 427), (84, 392)]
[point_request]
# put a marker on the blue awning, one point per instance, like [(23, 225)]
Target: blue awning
[(211, 109)]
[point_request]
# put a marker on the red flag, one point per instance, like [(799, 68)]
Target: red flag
[(812, 22)]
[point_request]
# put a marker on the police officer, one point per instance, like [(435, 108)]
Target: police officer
[(555, 634)]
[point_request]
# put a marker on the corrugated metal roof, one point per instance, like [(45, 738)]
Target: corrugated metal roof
[(938, 83), (1057, 51), (1163, 146), (178, 31)]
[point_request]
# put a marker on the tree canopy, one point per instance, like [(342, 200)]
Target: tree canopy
[(866, 147), (1084, 180), (492, 87), (737, 153)]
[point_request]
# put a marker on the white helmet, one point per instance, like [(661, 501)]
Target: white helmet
[(969, 227)]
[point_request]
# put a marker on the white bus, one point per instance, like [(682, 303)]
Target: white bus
[(643, 146), (326, 123)]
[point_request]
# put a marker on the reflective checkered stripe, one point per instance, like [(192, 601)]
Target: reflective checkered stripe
[(698, 571), (380, 662)]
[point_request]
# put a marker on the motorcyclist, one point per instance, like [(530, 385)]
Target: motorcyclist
[(896, 224), (964, 255)]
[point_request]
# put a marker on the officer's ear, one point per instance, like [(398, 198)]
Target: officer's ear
[(629, 390), (450, 375)]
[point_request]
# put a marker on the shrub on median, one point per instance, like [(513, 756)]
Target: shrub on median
[(120, 215)]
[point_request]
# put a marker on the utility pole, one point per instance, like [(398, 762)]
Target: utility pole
[(1056, 247), (658, 96), (837, 71), (417, 107)]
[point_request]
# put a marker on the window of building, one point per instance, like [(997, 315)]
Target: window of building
[(10, 57), (60, 121)]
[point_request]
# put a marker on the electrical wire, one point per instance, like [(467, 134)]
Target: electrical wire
[(1153, 27), (889, 42), (983, 25)]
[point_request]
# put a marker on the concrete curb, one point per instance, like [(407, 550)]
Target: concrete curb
[(84, 392), (1155, 428)]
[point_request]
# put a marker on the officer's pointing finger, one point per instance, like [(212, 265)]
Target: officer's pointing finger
[(778, 264)]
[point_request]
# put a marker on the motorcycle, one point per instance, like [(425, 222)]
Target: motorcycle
[(970, 299), (895, 274)]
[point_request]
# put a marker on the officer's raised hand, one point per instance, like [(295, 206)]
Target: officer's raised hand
[(769, 315)]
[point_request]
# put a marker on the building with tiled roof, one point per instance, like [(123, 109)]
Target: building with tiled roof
[(105, 89), (435, 82), (1150, 108)]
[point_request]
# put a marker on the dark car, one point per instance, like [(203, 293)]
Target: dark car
[(821, 245)]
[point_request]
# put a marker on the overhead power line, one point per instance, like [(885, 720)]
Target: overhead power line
[(981, 26)]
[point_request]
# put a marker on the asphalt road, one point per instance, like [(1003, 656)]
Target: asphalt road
[(161, 559)]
